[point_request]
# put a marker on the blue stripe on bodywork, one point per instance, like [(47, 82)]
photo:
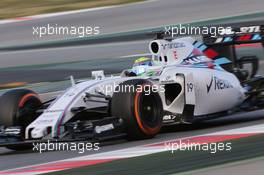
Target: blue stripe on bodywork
[(222, 60), (228, 39), (197, 44), (256, 37), (202, 47)]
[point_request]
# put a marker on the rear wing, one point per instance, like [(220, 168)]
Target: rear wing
[(232, 35), (226, 43), (222, 46)]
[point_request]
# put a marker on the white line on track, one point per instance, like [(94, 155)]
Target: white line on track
[(136, 55)]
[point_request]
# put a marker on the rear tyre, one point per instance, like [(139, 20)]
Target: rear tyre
[(18, 108), (260, 96), (141, 110)]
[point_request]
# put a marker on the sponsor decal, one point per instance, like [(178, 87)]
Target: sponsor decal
[(218, 84), (46, 121), (168, 79), (190, 87), (52, 111), (241, 30), (100, 129), (69, 94), (169, 118), (175, 55), (172, 45)]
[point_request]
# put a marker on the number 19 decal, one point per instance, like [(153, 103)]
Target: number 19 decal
[(190, 87)]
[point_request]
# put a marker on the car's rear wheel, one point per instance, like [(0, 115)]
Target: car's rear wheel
[(140, 110), (261, 95), (18, 108)]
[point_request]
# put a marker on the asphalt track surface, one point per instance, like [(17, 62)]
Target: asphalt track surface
[(242, 168), (116, 19), (69, 54), (133, 16), (246, 156), (112, 20), (82, 69)]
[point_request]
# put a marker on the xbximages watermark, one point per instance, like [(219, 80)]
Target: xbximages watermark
[(76, 31), (80, 147)]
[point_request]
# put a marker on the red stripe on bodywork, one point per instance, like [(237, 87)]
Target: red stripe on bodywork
[(211, 53), (244, 38)]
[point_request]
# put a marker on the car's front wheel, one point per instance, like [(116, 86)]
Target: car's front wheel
[(141, 110), (18, 108)]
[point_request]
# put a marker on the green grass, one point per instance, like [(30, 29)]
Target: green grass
[(20, 8)]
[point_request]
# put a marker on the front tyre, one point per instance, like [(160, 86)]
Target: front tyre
[(18, 108), (141, 110)]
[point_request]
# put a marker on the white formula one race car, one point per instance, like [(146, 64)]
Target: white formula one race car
[(183, 82)]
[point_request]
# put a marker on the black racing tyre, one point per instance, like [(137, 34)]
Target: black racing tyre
[(141, 111), (260, 96), (18, 108)]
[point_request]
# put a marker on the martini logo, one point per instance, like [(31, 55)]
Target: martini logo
[(218, 84)]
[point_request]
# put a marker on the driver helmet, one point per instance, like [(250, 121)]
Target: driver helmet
[(143, 61), (141, 64)]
